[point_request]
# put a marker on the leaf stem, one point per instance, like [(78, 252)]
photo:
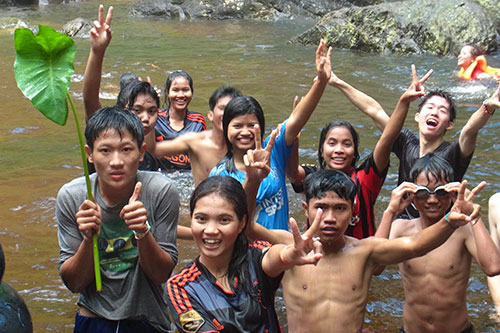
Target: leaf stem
[(97, 270)]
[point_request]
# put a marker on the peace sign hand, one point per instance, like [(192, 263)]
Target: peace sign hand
[(465, 210), (416, 88), (258, 161), (100, 34), (306, 248)]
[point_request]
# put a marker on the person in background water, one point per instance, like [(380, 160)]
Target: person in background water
[(436, 283), (135, 217), (176, 119), (338, 149), (231, 286), (473, 64)]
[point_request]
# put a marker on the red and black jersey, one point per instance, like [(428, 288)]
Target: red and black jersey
[(199, 304), (368, 182), (193, 122)]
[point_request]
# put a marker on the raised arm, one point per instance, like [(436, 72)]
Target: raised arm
[(396, 205), (362, 101), (382, 151), (386, 252), (301, 114), (257, 167), (468, 136), (481, 246), (100, 36)]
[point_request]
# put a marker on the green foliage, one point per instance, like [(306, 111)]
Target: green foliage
[(43, 69)]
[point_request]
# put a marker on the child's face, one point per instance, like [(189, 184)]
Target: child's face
[(215, 115), (434, 207), (338, 149), (337, 213), (116, 159), (146, 109), (434, 117), (180, 93), (241, 132), (215, 226)]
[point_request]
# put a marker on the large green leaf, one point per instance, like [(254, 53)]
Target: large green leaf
[(43, 69)]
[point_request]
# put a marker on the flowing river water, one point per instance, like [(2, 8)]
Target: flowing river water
[(37, 157)]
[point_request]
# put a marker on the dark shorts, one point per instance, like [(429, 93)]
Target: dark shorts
[(469, 329), (100, 325)]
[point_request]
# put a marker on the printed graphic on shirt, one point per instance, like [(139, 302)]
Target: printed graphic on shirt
[(117, 246), (191, 321)]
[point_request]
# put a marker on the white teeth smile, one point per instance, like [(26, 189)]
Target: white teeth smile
[(432, 122), (211, 241)]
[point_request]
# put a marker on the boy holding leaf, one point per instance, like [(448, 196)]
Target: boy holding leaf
[(135, 216)]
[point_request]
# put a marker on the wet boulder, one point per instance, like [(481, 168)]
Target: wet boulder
[(78, 27), (14, 314), (420, 26), (253, 9)]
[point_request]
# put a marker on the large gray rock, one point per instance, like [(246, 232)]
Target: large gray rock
[(414, 26), (255, 9), (78, 27)]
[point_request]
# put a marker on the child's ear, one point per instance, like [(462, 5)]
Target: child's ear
[(306, 209), (210, 115), (88, 151), (450, 126), (417, 116), (142, 151)]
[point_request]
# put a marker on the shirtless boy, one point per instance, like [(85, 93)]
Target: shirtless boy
[(335, 291), (436, 283), (205, 148), (435, 115)]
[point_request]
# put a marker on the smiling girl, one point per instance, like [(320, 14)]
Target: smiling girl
[(230, 287), (243, 125), (177, 119)]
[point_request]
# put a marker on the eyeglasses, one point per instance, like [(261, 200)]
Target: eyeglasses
[(423, 192)]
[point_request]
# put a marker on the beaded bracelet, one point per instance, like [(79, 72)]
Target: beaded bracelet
[(139, 235)]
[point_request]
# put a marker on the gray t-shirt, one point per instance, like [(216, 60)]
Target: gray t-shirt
[(127, 293)]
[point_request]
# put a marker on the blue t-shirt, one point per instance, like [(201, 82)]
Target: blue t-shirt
[(272, 198)]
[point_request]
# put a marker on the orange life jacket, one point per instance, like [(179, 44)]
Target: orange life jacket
[(479, 65)]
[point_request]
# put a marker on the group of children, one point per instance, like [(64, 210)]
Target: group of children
[(239, 211)]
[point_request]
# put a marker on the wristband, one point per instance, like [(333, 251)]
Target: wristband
[(447, 221), (485, 109), (139, 235), (282, 258)]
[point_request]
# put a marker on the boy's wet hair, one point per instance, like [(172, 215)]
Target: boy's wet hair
[(221, 92), (318, 183), (127, 96), (324, 133), (126, 78), (115, 119), (451, 109), (171, 78), (239, 106), (476, 50), (432, 165)]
